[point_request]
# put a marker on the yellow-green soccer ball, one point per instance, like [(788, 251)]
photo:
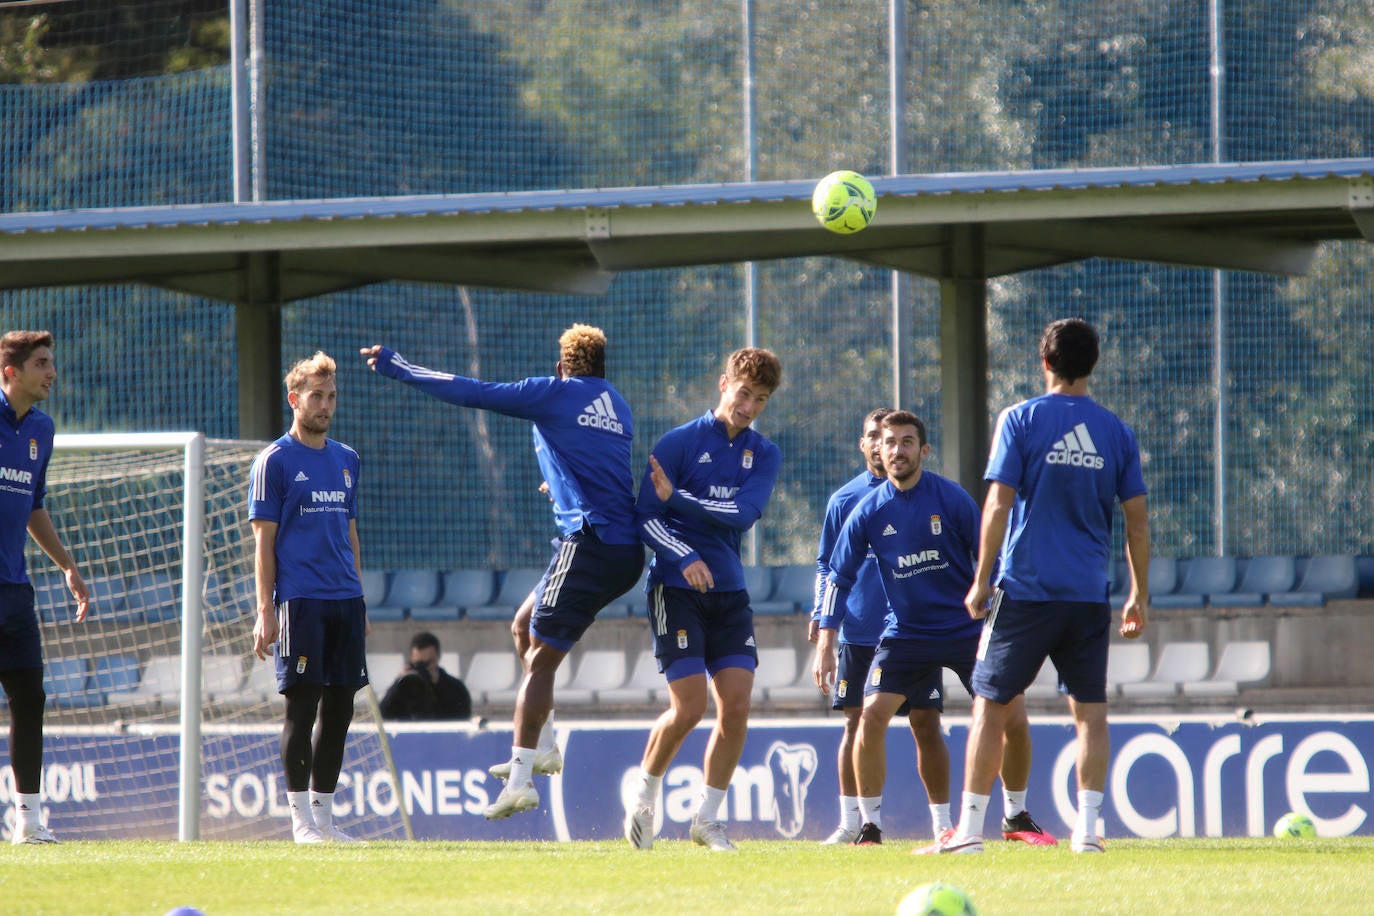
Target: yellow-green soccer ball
[(843, 201), (1294, 826), (936, 900)]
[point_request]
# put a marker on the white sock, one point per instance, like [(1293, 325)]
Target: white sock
[(521, 766), (971, 814), (1013, 803), (648, 788), (301, 815), (1089, 808), (322, 808), (939, 818), (850, 818), (28, 809), (871, 810), (546, 733), (711, 800)]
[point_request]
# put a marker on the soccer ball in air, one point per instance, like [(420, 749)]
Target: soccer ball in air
[(843, 201), (936, 900), (1294, 826)]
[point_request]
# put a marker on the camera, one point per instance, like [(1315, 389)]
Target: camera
[(421, 667)]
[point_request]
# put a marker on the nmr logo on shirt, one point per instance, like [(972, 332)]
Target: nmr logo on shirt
[(328, 496), (716, 492), (16, 475), (916, 559)]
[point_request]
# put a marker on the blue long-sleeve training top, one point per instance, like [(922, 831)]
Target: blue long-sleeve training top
[(583, 431), (720, 488)]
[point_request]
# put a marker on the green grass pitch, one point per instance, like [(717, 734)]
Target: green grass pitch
[(1236, 876)]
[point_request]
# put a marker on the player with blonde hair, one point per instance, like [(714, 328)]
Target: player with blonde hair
[(303, 506)]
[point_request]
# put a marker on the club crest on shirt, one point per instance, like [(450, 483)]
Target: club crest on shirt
[(748, 459), (935, 526), (348, 479), (33, 449)]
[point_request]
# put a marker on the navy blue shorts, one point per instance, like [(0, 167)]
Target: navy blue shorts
[(20, 645), (850, 674), (322, 641), (583, 577), (914, 669), (696, 633), (1020, 635)]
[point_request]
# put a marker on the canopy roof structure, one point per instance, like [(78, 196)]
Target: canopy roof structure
[(958, 228), (1260, 216)]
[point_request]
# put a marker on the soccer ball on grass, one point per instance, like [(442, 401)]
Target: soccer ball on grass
[(843, 202), (936, 900), (1294, 826)]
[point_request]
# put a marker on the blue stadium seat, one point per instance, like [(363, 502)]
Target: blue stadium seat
[(1163, 576), (458, 589), (116, 673), (778, 602), (516, 584), (51, 598), (1266, 575), (108, 602), (761, 584), (406, 589), (1204, 576), (230, 599), (1324, 579), (1364, 565), (413, 588), (796, 583), (374, 586), (67, 681), (154, 595)]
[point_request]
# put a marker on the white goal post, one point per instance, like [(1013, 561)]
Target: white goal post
[(157, 705), (192, 593)]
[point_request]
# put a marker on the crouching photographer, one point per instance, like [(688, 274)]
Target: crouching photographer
[(424, 692)]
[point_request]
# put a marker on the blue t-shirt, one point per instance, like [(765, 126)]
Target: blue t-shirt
[(312, 495), (583, 431), (925, 540), (1070, 460), (720, 488), (866, 608), (25, 448)]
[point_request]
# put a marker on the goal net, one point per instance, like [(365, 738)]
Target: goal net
[(161, 722)]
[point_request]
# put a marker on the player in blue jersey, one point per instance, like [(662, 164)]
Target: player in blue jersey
[(27, 373), (1059, 464), (843, 668), (920, 530), (582, 435), (303, 506), (708, 482)]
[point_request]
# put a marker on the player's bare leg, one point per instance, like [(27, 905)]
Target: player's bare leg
[(548, 759), (1017, 823), (731, 688), (686, 706), (532, 707), (849, 784), (1094, 750), (870, 763)]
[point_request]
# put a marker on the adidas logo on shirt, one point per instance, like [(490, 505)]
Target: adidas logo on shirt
[(888, 531), (1077, 450), (600, 414), (705, 458), (300, 475)]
